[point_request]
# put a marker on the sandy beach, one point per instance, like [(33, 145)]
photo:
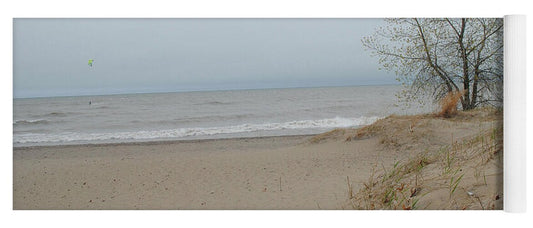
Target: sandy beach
[(203, 174), (287, 172)]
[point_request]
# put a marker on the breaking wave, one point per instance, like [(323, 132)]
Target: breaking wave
[(30, 122), (190, 132)]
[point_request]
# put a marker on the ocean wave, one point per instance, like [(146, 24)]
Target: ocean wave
[(58, 114), (189, 132), (214, 103), (186, 120), (53, 114), (30, 122), (208, 118)]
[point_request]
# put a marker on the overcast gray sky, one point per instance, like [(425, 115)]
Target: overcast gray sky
[(166, 55)]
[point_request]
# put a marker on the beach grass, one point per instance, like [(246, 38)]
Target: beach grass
[(436, 175)]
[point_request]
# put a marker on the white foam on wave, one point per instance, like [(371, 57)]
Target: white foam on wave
[(27, 122), (337, 122)]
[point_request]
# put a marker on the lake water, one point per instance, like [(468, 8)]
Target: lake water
[(200, 115)]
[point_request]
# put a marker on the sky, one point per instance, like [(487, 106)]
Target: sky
[(172, 55)]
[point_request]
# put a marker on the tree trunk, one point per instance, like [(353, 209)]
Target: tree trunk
[(466, 101), (466, 77), (474, 89)]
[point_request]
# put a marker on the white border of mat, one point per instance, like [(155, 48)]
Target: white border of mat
[(514, 113)]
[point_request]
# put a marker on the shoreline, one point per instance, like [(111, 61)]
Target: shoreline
[(158, 142)]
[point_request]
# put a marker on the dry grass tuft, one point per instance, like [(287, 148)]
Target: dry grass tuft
[(448, 104)]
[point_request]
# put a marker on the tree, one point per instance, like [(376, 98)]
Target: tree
[(443, 55)]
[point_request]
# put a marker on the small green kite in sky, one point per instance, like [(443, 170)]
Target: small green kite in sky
[(90, 62)]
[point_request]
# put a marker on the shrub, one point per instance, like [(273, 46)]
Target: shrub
[(448, 104)]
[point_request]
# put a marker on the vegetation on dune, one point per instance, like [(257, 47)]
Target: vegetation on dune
[(459, 174), (448, 104), (459, 61)]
